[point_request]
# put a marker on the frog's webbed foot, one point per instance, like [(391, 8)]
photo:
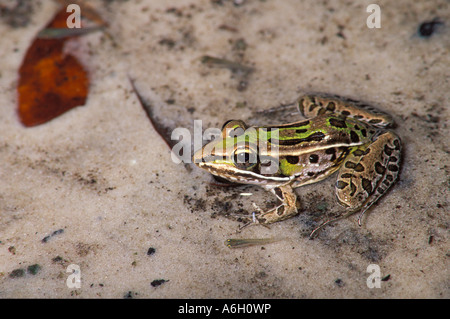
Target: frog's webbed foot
[(311, 236), (361, 214), (255, 220), (251, 223), (285, 210), (342, 216)]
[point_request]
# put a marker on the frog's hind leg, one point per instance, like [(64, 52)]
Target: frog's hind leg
[(314, 104), (368, 172)]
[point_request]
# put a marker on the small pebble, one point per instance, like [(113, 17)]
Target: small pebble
[(33, 269), (426, 29), (151, 251), (157, 282), (16, 273)]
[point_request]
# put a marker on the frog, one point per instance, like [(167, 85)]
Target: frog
[(338, 134)]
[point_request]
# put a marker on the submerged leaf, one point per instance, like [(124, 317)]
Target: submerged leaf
[(51, 81)]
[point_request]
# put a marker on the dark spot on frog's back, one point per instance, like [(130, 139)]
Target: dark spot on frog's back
[(364, 132), (354, 137), (312, 107), (292, 159), (317, 136), (331, 106), (304, 123), (336, 122)]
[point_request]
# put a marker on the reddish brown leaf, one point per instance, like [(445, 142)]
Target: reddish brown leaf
[(50, 82)]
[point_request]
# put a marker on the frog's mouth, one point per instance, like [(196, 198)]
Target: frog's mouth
[(218, 165), (241, 176)]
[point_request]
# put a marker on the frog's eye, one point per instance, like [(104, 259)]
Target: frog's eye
[(233, 128), (245, 159)]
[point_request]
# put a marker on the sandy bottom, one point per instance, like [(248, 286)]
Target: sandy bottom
[(96, 189)]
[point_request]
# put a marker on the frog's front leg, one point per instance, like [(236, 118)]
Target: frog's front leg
[(368, 172), (287, 208)]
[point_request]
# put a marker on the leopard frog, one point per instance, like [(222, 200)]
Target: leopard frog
[(340, 134)]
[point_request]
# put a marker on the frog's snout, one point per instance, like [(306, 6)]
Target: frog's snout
[(198, 157)]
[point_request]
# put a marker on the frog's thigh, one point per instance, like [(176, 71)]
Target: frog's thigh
[(311, 105), (287, 209), (368, 172)]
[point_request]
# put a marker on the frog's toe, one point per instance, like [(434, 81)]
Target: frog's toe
[(255, 221)]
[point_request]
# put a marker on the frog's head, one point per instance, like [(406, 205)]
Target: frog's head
[(234, 155), (231, 153)]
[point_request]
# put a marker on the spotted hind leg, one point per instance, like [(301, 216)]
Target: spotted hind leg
[(368, 172), (314, 104)]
